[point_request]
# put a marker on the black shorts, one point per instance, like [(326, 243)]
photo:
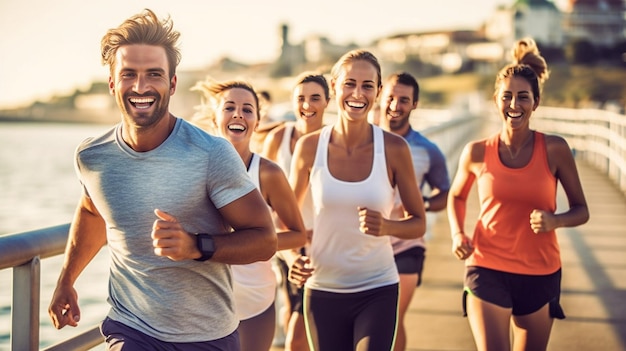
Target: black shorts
[(411, 261), (523, 293), (119, 336)]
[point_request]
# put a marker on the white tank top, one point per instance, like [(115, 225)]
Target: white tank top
[(254, 284), (284, 157), (346, 260), (283, 154)]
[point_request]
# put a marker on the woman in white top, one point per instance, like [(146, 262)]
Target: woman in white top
[(309, 99), (232, 111), (352, 167)]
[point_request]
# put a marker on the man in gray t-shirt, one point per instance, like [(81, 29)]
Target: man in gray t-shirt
[(173, 204)]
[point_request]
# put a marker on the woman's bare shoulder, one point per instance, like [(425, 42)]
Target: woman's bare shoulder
[(394, 141), (269, 167), (277, 133)]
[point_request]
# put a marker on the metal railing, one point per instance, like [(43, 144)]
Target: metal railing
[(597, 137), (23, 252), (452, 135)]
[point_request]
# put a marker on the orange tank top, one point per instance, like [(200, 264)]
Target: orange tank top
[(503, 239)]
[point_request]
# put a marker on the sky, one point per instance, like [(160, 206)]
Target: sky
[(52, 47)]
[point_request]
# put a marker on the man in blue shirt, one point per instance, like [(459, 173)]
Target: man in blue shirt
[(399, 98)]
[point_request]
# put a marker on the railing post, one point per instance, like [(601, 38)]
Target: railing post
[(25, 308)]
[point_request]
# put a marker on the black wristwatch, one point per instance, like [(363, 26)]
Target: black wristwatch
[(206, 245)]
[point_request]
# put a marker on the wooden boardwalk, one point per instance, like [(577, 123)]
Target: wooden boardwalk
[(593, 288)]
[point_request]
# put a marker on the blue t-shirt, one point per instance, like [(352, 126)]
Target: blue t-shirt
[(430, 168), (190, 175)]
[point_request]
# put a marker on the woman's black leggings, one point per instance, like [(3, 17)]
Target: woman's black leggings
[(360, 321)]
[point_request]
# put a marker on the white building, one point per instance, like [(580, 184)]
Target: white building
[(539, 19), (601, 22)]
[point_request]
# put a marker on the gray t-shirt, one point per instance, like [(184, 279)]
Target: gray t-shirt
[(190, 175)]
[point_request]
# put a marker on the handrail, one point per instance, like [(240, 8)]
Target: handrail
[(596, 136), (19, 249), (23, 252), (83, 341)]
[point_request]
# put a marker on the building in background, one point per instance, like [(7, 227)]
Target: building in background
[(439, 52), (539, 19), (600, 22)]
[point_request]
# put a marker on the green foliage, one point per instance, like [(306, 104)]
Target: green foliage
[(571, 86), (280, 70), (618, 53), (581, 51)]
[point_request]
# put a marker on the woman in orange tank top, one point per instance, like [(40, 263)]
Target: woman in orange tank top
[(513, 268)]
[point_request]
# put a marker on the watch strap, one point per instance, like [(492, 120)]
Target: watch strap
[(206, 246)]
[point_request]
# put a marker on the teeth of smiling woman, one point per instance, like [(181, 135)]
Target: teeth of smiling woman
[(236, 127), (356, 104), (514, 114), (308, 114)]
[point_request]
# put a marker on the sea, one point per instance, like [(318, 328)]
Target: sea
[(38, 189)]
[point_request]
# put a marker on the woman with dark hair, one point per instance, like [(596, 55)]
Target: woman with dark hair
[(309, 101), (512, 259)]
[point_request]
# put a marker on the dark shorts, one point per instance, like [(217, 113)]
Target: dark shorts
[(524, 294), (120, 337), (411, 261), (294, 293), (339, 321)]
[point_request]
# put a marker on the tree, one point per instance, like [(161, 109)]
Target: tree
[(581, 51)]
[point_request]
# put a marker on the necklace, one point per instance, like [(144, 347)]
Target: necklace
[(508, 147)]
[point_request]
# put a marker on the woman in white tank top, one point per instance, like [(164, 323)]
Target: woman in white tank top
[(352, 167), (232, 111), (310, 98)]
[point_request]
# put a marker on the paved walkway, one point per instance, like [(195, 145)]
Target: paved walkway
[(593, 288)]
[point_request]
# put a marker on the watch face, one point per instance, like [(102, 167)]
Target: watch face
[(206, 244)]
